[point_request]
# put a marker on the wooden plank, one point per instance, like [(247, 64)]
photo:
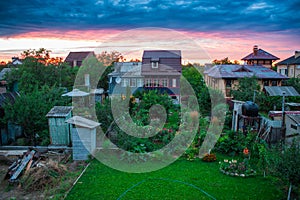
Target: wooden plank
[(22, 166)]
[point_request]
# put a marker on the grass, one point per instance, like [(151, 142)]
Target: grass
[(180, 180)]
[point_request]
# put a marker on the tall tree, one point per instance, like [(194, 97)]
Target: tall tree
[(29, 111)]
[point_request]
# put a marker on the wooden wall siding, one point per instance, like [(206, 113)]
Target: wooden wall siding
[(84, 142), (59, 130), (291, 133)]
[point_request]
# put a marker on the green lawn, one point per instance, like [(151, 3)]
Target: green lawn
[(180, 180)]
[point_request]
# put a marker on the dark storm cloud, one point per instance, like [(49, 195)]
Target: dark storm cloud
[(18, 16)]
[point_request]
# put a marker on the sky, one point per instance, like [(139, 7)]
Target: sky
[(203, 30)]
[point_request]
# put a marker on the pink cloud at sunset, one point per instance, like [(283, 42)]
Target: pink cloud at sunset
[(216, 45)]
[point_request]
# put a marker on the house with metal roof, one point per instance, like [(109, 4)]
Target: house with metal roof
[(162, 70), (260, 57), (159, 70), (290, 66), (226, 77), (76, 58), (126, 75)]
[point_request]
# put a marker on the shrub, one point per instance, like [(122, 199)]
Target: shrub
[(209, 157)]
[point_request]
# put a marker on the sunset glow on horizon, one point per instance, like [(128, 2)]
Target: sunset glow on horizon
[(221, 28), (217, 45)]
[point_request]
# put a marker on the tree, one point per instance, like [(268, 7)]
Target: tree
[(225, 61), (108, 58), (41, 55), (30, 109), (246, 88), (38, 70), (295, 82), (285, 164)]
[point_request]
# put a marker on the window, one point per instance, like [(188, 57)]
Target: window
[(133, 82), (125, 82), (274, 83), (173, 82), (293, 126), (154, 64), (228, 83), (140, 82), (155, 82), (148, 83), (291, 72), (283, 71), (164, 82), (266, 83)]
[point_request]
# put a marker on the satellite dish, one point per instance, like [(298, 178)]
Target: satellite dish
[(110, 80), (118, 80)]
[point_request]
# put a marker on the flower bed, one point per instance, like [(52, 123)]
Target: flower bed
[(236, 168)]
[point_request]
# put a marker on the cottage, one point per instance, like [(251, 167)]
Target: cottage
[(76, 58), (226, 77), (290, 66)]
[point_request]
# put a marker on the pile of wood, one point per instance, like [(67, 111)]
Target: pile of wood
[(34, 162), (29, 160)]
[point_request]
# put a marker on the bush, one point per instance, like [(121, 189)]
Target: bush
[(209, 157)]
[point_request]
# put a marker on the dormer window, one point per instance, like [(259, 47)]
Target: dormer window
[(154, 64)]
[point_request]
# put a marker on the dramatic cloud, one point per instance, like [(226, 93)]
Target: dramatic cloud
[(18, 16)]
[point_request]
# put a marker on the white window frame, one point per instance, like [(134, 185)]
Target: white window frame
[(125, 82), (155, 82), (174, 82), (164, 83), (147, 82), (133, 82), (154, 65), (140, 82), (291, 71), (283, 71)]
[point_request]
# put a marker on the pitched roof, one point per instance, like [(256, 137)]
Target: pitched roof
[(260, 55), (241, 71), (8, 97), (127, 69), (156, 54), (295, 118), (278, 90), (79, 56), (59, 111), (3, 72), (290, 61)]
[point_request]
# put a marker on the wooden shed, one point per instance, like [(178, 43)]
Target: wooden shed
[(83, 137), (59, 130)]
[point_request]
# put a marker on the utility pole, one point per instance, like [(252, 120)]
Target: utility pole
[(254, 95), (283, 119)]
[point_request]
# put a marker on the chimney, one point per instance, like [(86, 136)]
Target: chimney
[(297, 54), (255, 50)]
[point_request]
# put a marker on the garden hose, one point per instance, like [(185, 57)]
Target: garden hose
[(165, 179)]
